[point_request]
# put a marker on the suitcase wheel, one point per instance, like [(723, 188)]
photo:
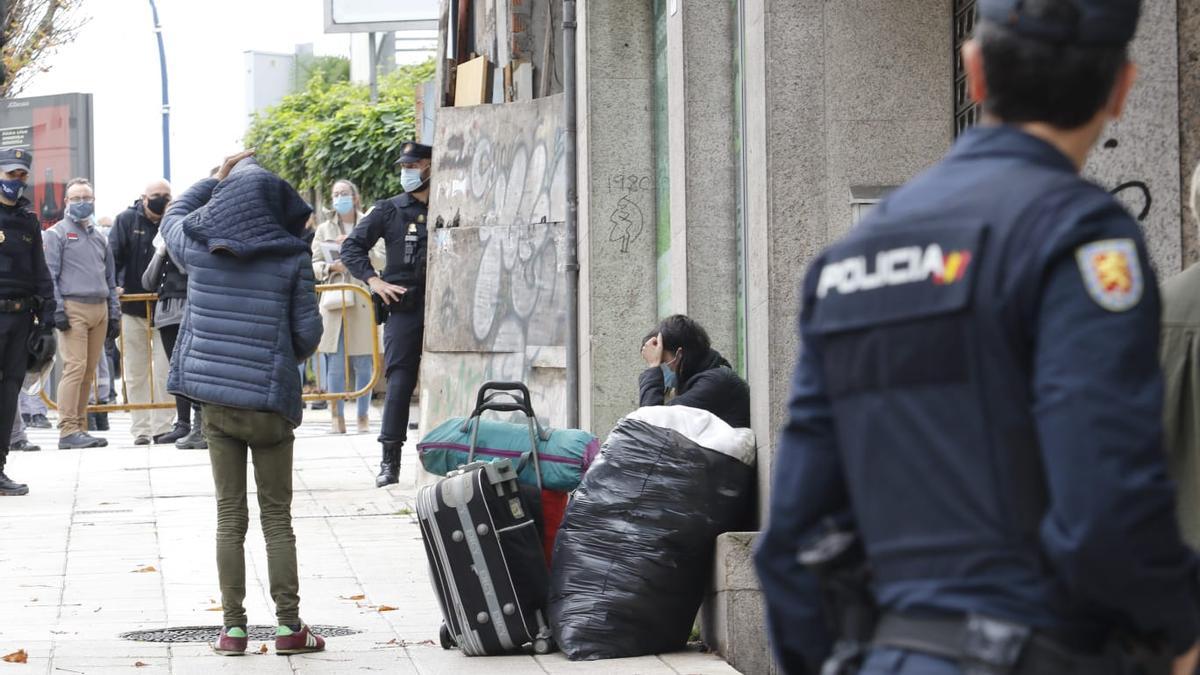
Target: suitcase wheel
[(543, 646), (445, 638)]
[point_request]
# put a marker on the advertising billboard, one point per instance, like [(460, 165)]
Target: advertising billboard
[(58, 131)]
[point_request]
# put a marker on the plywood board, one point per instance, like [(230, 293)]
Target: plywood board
[(523, 81), (500, 165), (471, 86)]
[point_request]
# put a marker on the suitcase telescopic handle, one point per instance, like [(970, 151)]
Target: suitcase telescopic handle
[(517, 392)]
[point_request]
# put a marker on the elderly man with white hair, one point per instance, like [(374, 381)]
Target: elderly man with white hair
[(132, 244)]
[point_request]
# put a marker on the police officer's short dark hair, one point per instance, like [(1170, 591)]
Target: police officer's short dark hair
[(1030, 80), (682, 332)]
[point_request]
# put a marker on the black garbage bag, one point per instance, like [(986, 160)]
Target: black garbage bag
[(635, 550)]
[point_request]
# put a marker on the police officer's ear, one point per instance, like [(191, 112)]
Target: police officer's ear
[(972, 56), (1121, 88)]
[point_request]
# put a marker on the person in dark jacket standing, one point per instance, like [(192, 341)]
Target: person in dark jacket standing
[(164, 277), (252, 317), (400, 222), (26, 295), (682, 361), (978, 399), (132, 244)]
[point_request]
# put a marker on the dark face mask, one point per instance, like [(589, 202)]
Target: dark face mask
[(12, 189), (157, 205)]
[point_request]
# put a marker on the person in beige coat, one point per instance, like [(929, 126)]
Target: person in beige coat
[(1181, 369), (346, 343)]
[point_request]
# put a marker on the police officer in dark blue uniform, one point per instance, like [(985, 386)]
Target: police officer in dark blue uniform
[(400, 222), (26, 295), (978, 395)]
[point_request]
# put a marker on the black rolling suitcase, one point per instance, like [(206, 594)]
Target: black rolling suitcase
[(485, 553)]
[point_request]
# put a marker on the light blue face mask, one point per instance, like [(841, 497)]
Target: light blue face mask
[(410, 179), (343, 204), (670, 377), (81, 212)]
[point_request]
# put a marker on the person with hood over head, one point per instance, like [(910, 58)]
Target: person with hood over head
[(252, 317)]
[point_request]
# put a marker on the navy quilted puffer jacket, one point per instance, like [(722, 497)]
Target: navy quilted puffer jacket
[(252, 304)]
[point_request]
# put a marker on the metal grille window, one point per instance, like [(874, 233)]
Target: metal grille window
[(965, 112)]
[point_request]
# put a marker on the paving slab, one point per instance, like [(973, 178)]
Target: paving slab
[(76, 563)]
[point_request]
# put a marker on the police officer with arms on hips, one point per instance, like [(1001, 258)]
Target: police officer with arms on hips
[(978, 397), (400, 222), (26, 295)]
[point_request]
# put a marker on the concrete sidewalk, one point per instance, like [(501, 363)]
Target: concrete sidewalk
[(121, 538)]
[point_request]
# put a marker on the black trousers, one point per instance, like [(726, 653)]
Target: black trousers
[(183, 405), (14, 359), (402, 340)]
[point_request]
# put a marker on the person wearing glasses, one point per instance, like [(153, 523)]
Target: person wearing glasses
[(85, 292)]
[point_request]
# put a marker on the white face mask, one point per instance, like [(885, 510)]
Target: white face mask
[(410, 179)]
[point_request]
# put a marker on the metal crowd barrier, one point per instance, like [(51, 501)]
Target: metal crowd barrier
[(151, 298)]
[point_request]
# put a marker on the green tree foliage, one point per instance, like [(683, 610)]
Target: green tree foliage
[(331, 130), (331, 68)]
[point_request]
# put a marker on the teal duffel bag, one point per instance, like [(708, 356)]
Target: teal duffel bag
[(564, 455)]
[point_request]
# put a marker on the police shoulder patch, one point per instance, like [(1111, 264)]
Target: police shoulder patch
[(1112, 273)]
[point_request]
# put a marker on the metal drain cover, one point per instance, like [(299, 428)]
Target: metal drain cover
[(211, 633)]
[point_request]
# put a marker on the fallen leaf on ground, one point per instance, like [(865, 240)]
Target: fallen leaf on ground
[(218, 608), (147, 568), (387, 608), (355, 597), (263, 649), (392, 641), (18, 656), (139, 664), (425, 642)]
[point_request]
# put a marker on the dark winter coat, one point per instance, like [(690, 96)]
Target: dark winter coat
[(710, 385), (132, 243), (252, 304)]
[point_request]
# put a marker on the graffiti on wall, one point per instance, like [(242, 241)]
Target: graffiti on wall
[(1148, 191), (500, 165), (1135, 194), (496, 305), (496, 289), (496, 310)]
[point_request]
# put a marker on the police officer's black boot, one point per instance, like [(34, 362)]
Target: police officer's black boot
[(9, 487), (389, 468)]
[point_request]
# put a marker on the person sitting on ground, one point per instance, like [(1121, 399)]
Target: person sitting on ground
[(681, 358), (251, 318)]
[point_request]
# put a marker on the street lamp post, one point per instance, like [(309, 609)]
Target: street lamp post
[(166, 102)]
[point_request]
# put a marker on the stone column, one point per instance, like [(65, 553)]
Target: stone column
[(704, 166), (616, 210)]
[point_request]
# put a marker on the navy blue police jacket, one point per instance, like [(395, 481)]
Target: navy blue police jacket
[(978, 391), (400, 222)]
